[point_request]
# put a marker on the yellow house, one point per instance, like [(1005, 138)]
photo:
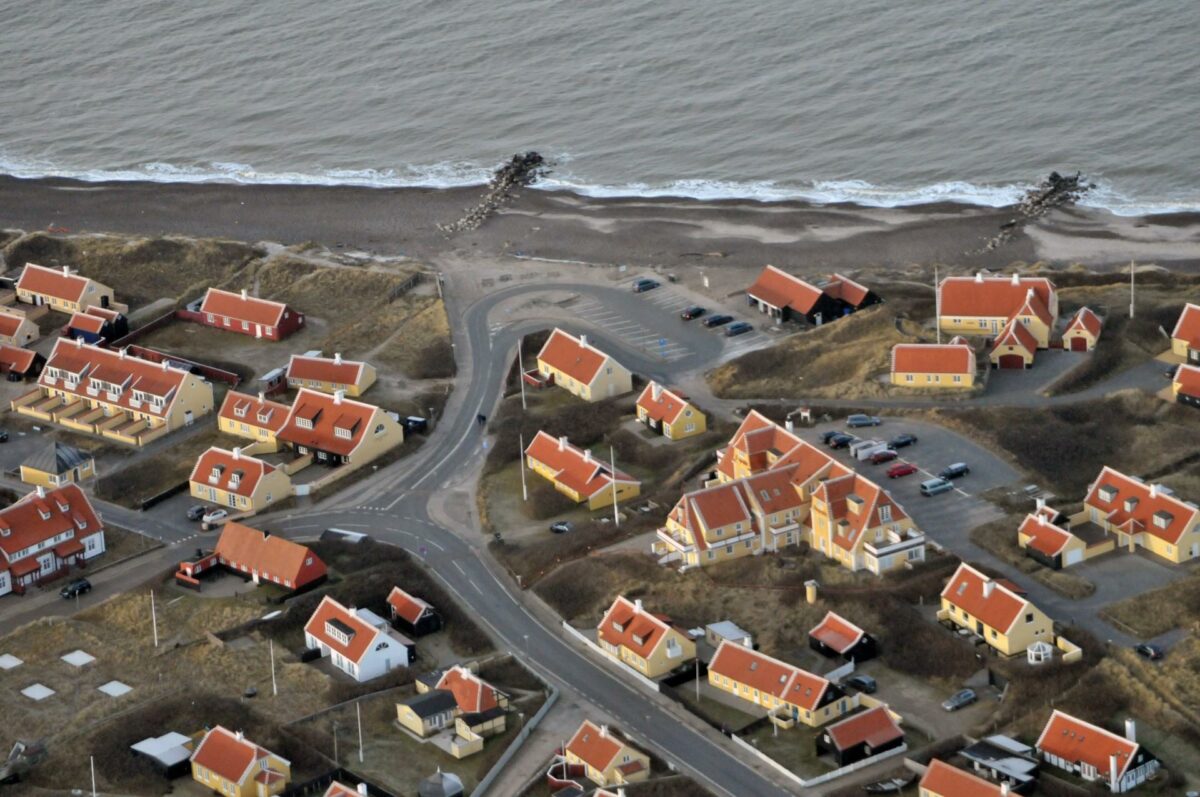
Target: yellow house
[(943, 780), (581, 369), (982, 305), (61, 289), (1046, 537), (644, 641), (97, 391), (789, 694), (1083, 331), (859, 526), (238, 482), (233, 766), (1015, 347), (669, 413), (934, 365), (608, 760), (336, 430), (1185, 338), (1136, 514), (577, 474), (256, 419), (455, 698), (995, 611), (56, 464), (329, 374), (16, 329)]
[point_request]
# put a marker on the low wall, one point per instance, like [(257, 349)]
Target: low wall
[(819, 779), (209, 372), (637, 676), (515, 746)]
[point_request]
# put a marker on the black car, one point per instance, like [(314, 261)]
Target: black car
[(414, 423), (195, 512), (76, 588), (643, 285), (954, 471), (740, 328), (716, 320), (695, 311), (561, 527), (1152, 652), (3, 435), (829, 435), (902, 440), (841, 440), (863, 683)]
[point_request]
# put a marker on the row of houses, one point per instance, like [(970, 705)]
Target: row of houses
[(45, 534)]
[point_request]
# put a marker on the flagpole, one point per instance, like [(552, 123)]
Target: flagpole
[(612, 459)]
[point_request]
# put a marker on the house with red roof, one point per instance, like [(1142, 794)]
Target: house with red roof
[(1014, 347), (254, 418), (858, 524), (62, 289), (241, 483), (98, 325), (995, 611), (232, 765), (789, 694), (259, 556), (411, 614), (934, 365), (1083, 330), (115, 395), (1185, 385), (577, 474), (459, 700), (1185, 337), (357, 641), (329, 374), (1136, 513), (1046, 536), (942, 780), (16, 329), (1096, 755), (982, 305), (336, 430), (44, 534), (607, 758), (580, 368), (785, 297), (643, 640), (859, 736), (669, 413), (248, 315), (837, 636), (17, 363)]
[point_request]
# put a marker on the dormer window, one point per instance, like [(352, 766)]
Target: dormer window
[(236, 478), (885, 513), (343, 433), (63, 506), (638, 639), (264, 416), (5, 531), (618, 626), (338, 630), (1130, 504), (304, 423), (1163, 519), (1107, 493), (240, 411), (80, 522)]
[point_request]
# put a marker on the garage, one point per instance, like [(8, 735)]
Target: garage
[(1011, 361), (1074, 557), (1079, 343)]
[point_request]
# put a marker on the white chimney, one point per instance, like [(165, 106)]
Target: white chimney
[(587, 455), (262, 396), (245, 294), (655, 391), (583, 340), (41, 491), (988, 586), (337, 358), (121, 354), (562, 444), (1041, 504), (979, 276), (66, 271), (338, 395), (1016, 280), (362, 789), (637, 605), (604, 733), (237, 452), (791, 427), (165, 365), (1154, 491), (1131, 730), (1114, 770), (1004, 789), (79, 343), (1041, 520), (239, 735)]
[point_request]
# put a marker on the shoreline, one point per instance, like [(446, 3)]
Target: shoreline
[(639, 231)]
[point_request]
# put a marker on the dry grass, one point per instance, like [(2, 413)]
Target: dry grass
[(1158, 611), (149, 476), (1000, 537)]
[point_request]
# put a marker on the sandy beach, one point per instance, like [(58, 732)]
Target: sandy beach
[(636, 231)]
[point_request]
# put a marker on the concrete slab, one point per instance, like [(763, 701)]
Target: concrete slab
[(78, 658), (115, 689), (37, 692), (9, 662)]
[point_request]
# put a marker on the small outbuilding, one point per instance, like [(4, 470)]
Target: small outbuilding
[(1015, 346), (56, 464), (441, 784), (1083, 330), (411, 614), (837, 636), (862, 735)]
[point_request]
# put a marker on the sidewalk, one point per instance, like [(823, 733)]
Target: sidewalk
[(532, 760)]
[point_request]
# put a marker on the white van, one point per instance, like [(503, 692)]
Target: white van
[(859, 445), (866, 452)]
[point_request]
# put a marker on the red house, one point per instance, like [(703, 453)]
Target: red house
[(249, 315), (260, 555)]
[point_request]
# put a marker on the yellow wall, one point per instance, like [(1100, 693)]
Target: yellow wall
[(91, 298), (598, 501), (1040, 330), (604, 385), (933, 380), (245, 428), (272, 487), (195, 394), (45, 479), (1079, 333), (813, 719), (373, 445), (1014, 642), (249, 788), (988, 326), (1179, 347), (691, 416), (1178, 554), (27, 332), (657, 663), (612, 775), (368, 378), (1000, 351)]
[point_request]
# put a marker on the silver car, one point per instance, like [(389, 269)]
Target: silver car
[(960, 699)]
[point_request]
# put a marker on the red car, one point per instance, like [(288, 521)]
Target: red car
[(901, 469), (887, 455)]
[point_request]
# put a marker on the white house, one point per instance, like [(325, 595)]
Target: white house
[(45, 534), (359, 642)]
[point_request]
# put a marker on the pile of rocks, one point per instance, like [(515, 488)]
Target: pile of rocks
[(523, 169), (1055, 191)]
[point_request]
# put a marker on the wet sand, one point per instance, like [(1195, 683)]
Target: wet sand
[(561, 225)]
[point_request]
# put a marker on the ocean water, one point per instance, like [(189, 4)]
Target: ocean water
[(877, 102)]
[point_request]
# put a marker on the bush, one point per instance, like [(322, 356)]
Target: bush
[(545, 501), (435, 361)]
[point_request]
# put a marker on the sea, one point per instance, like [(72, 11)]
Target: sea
[(881, 103)]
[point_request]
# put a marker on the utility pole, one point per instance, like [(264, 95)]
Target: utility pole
[(92, 765), (274, 685), (612, 460), (335, 750), (358, 712), (153, 618), (697, 680), (524, 486), (1131, 281), (521, 370), (937, 305)]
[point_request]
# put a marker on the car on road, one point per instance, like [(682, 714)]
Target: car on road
[(561, 527), (740, 328), (695, 311), (955, 471), (717, 320), (196, 512), (215, 516), (80, 586), (902, 440), (880, 457), (841, 440), (855, 421), (863, 683), (643, 285), (935, 486), (960, 699), (1150, 651), (3, 435), (901, 469)]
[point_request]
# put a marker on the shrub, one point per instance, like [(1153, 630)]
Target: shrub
[(545, 501), (434, 361)]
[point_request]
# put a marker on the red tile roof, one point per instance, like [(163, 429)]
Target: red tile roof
[(627, 625), (719, 506), (254, 410), (242, 307), (52, 282), (229, 755), (107, 313), (780, 289), (10, 323), (1016, 334), (1187, 328), (572, 467), (472, 693), (595, 745), (87, 322), (837, 632), (333, 370), (237, 473), (362, 640), (991, 297), (252, 550), (337, 789), (1034, 306), (947, 781), (1000, 609), (574, 356), (846, 289), (134, 374), (1086, 320), (875, 727), (1188, 379), (407, 607), (773, 491), (16, 359), (666, 408), (1074, 740), (1044, 535), (932, 358), (36, 518), (769, 676), (837, 494), (326, 414), (1155, 511)]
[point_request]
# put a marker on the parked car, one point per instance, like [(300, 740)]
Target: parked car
[(3, 435), (196, 512), (863, 683), (695, 311), (901, 469), (79, 586), (561, 527), (740, 328), (960, 699), (643, 285), (855, 421), (1152, 652), (955, 471), (414, 423), (886, 455), (717, 320), (826, 436), (1170, 372), (215, 516), (841, 440), (935, 486), (902, 440)]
